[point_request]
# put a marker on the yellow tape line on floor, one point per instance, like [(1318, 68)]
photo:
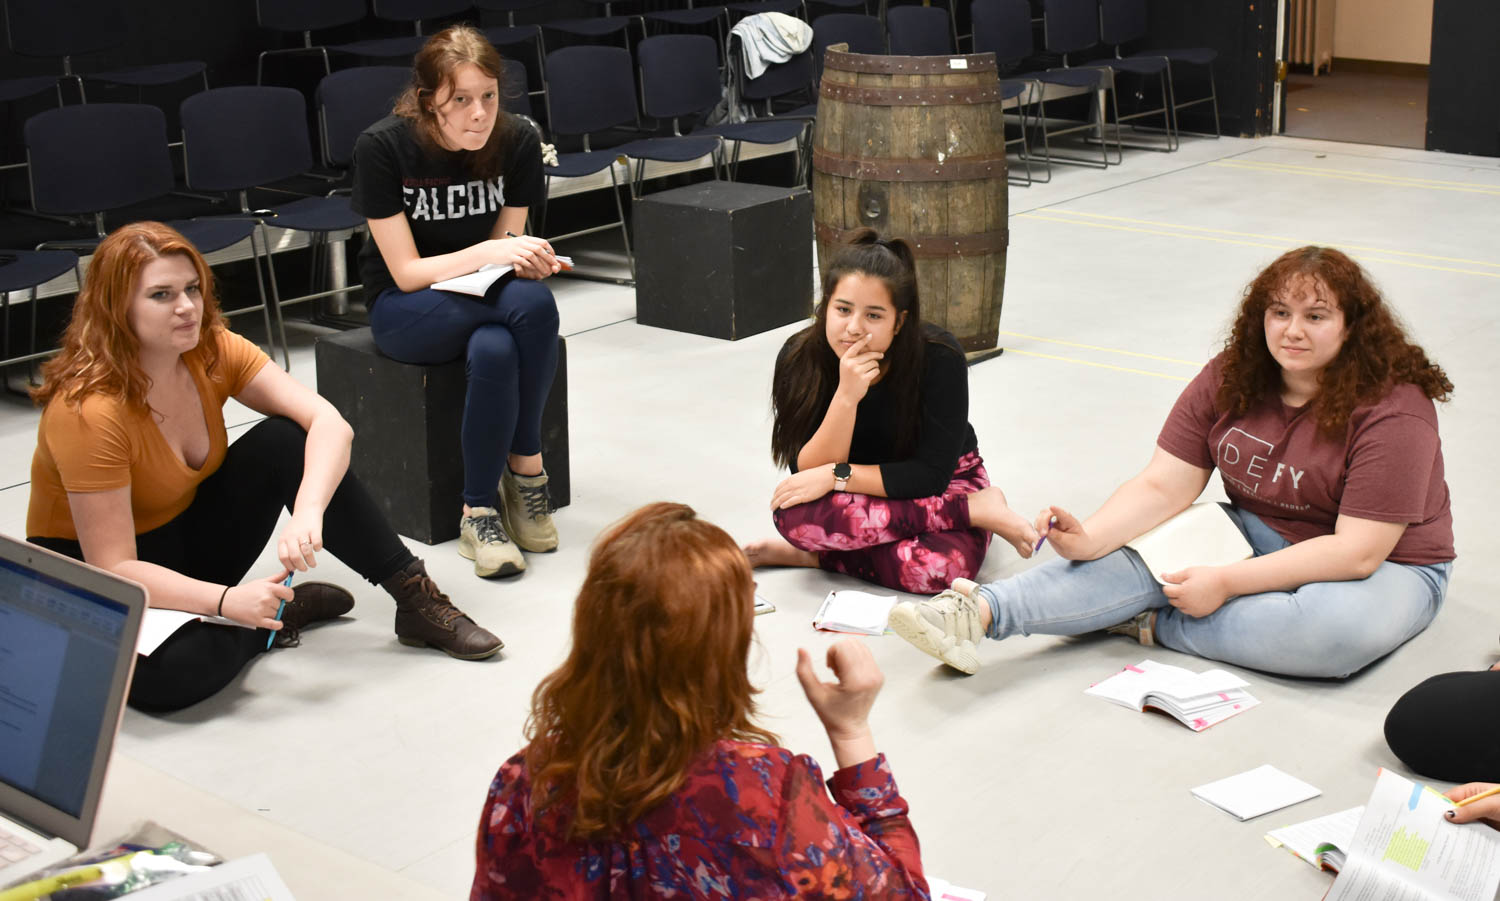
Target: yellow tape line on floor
[(1160, 375), (1399, 181), (1111, 350), (1294, 242), (1365, 258)]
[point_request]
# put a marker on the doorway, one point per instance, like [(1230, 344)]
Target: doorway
[(1357, 70)]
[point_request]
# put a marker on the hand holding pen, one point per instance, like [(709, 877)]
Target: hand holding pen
[(280, 609), (532, 257)]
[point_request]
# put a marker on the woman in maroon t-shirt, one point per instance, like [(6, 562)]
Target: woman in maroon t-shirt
[(1319, 416)]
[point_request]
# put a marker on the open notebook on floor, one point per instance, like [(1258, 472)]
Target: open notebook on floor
[(1404, 848), (67, 649), (1320, 842), (1197, 700), (1201, 535)]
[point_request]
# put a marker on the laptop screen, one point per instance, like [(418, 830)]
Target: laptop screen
[(59, 646)]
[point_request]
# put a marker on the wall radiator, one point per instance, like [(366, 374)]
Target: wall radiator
[(1311, 41)]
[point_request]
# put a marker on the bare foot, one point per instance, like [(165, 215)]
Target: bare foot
[(988, 510), (778, 552)]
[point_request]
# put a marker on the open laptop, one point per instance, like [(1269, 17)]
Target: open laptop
[(67, 649)]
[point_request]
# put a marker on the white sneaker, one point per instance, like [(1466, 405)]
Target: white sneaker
[(482, 538), (946, 626)]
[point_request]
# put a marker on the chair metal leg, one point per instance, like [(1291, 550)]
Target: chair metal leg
[(265, 306), (624, 229), (286, 354)]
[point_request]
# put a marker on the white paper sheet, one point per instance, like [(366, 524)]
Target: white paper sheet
[(1336, 830), (1259, 791), (855, 611)]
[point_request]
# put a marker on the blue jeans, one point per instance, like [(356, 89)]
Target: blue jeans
[(1323, 629), (509, 337)]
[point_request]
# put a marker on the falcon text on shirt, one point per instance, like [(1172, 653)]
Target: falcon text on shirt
[(436, 199)]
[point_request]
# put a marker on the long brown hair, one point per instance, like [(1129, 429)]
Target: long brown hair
[(432, 76), (808, 374), (1375, 357), (100, 352), (656, 674)]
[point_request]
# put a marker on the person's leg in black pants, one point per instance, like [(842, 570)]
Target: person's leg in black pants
[(1447, 728), (220, 535)]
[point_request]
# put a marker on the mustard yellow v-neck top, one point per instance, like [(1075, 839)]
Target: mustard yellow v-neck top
[(105, 444)]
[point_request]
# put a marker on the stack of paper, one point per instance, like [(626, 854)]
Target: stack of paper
[(1197, 700), (1320, 842), (1201, 535), (1259, 791), (854, 611)]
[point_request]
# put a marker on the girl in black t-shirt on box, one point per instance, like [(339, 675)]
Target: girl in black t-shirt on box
[(445, 183), (872, 416)]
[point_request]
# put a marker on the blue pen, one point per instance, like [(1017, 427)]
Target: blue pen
[(280, 609)]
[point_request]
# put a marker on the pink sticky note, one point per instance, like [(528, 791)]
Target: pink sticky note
[(1199, 724), (1134, 669), (1223, 696)]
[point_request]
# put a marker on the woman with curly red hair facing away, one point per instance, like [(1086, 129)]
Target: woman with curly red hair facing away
[(646, 775), (134, 473), (1319, 416)]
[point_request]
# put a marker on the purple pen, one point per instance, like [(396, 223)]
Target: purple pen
[(1043, 540)]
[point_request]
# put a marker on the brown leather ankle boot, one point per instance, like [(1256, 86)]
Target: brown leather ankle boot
[(312, 602), (425, 617)]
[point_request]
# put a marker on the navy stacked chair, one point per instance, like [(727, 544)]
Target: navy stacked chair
[(712, 17), (514, 95), (752, 7), (303, 17), (576, 108), (509, 7), (1124, 22), (413, 12), (595, 28), (97, 158), (1077, 26), (1072, 27), (351, 100), (862, 5), (863, 34), (949, 6), (28, 270), (786, 82), (1003, 27), (240, 138), (63, 29), (919, 31), (610, 104), (679, 79)]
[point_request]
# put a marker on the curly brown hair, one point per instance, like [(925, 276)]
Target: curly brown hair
[(656, 675), (1376, 355)]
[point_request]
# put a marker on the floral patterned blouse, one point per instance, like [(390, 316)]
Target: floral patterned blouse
[(751, 821)]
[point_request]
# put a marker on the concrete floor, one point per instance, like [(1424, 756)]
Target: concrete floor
[(1120, 286), (1349, 104)]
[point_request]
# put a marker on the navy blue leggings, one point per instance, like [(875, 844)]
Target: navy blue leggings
[(509, 337)]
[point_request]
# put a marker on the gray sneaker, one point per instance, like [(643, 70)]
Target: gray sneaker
[(947, 626), (482, 538), (527, 511), (1141, 627)]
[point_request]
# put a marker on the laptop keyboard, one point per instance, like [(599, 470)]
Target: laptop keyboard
[(13, 848)]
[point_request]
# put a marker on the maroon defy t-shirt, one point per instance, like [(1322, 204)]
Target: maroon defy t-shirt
[(1274, 463)]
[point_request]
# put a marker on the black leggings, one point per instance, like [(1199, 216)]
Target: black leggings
[(221, 534), (1445, 728)]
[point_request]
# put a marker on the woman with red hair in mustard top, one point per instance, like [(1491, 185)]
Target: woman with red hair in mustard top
[(646, 775)]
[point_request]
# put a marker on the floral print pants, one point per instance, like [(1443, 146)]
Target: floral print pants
[(918, 544)]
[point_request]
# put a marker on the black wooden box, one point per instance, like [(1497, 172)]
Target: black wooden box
[(723, 259), (406, 422)]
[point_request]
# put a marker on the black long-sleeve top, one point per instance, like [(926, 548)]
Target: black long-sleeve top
[(943, 430)]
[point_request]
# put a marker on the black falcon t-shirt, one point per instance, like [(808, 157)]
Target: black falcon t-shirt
[(447, 208)]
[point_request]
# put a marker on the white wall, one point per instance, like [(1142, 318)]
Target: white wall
[(1397, 31)]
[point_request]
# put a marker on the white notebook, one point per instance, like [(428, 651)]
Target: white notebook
[(1256, 792), (478, 282), (1197, 700), (854, 611), (1201, 535)]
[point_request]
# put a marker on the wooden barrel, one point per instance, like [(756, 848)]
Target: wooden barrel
[(914, 146)]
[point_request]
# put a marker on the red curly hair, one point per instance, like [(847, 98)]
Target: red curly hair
[(1375, 357), (656, 675), (99, 350)]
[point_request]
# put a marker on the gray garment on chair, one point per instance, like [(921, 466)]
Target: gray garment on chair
[(767, 38)]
